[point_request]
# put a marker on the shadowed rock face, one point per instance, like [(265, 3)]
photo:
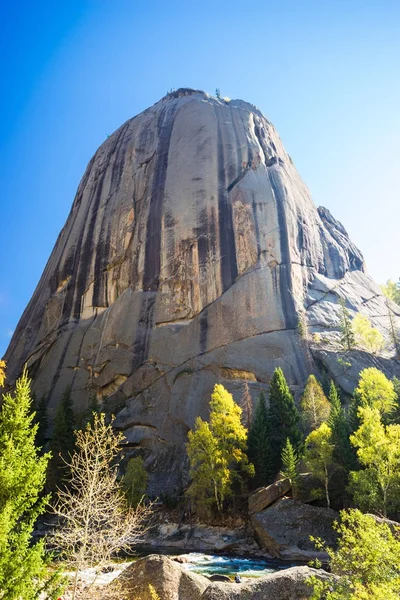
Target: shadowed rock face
[(191, 251)]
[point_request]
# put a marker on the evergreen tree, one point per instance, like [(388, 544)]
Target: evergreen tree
[(247, 405), (23, 565), (283, 420), (395, 413), (394, 334), (347, 336), (259, 443), (63, 440), (343, 453), (314, 405), (289, 465)]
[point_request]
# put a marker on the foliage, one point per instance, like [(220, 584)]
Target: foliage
[(134, 482), (259, 444), (283, 419), (394, 416), (343, 453), (153, 593), (95, 523), (347, 336), (367, 561), (366, 336), (392, 290), (23, 565), (375, 390), (377, 486), (218, 93), (314, 405), (218, 451), (319, 458), (2, 372), (289, 465), (394, 334)]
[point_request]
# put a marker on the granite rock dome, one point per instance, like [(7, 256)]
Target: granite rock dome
[(191, 254)]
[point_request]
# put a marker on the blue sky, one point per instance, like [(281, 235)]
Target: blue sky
[(325, 72)]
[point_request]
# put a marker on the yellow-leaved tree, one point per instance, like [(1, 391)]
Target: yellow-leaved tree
[(366, 337), (217, 451)]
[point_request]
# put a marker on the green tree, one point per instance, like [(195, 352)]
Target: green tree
[(259, 444), (289, 465), (366, 563), (344, 453), (347, 336), (283, 419), (394, 333), (314, 405), (395, 413), (376, 487), (366, 336), (218, 451), (392, 290), (320, 460), (23, 564), (134, 482), (375, 390)]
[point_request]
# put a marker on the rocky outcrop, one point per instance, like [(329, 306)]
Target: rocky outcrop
[(284, 529), (191, 253), (170, 580), (265, 496), (289, 584), (196, 537), (173, 582)]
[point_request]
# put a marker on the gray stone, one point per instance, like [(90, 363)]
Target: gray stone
[(289, 584), (170, 580), (284, 529), (265, 496), (190, 252)]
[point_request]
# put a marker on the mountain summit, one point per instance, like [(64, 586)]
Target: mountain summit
[(193, 254)]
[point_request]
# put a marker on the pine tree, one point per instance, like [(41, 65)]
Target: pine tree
[(347, 336), (259, 443), (395, 413), (134, 482), (289, 465), (23, 565), (344, 454), (283, 419), (314, 405)]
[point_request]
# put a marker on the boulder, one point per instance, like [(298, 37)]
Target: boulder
[(284, 529), (289, 584), (219, 577), (265, 496), (170, 580)]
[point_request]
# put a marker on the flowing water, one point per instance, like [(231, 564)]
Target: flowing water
[(211, 564)]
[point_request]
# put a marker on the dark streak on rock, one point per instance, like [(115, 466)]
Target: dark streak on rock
[(226, 234), (153, 235), (143, 330), (285, 279), (203, 330)]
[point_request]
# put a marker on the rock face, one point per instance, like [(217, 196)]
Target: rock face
[(284, 529), (191, 253), (265, 496)]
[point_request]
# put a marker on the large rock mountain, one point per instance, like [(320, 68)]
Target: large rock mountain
[(192, 254)]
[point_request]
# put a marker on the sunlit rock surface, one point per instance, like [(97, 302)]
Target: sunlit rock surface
[(191, 253)]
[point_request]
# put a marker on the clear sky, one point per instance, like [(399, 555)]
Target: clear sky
[(325, 72)]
